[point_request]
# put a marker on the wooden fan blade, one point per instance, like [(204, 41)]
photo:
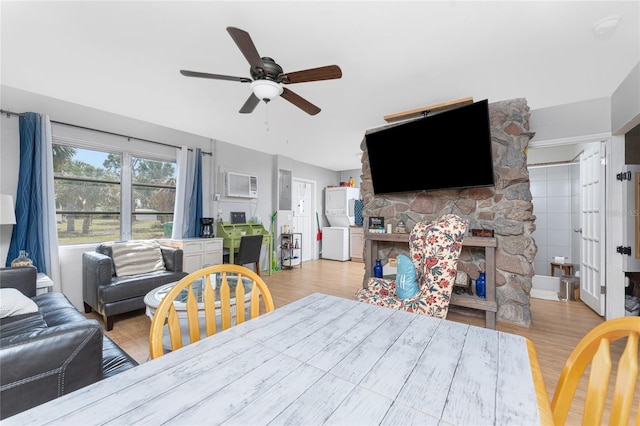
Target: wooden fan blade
[(250, 104), (313, 74), (300, 102), (215, 76), (246, 46)]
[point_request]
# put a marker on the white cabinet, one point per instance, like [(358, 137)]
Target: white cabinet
[(197, 252), (356, 243)]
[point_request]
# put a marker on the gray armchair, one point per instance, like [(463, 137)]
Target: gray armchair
[(110, 295)]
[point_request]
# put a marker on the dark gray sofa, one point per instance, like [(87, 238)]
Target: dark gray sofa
[(111, 295), (52, 352)]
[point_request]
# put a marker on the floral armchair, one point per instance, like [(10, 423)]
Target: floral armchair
[(434, 248)]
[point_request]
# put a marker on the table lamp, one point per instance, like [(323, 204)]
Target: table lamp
[(7, 212)]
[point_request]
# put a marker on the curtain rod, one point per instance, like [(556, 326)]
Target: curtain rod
[(19, 114)]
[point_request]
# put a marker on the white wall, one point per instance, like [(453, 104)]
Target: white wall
[(551, 189), (571, 120), (625, 103)]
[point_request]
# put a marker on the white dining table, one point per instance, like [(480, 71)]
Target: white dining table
[(319, 360)]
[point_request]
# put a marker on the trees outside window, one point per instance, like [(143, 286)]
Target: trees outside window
[(110, 196)]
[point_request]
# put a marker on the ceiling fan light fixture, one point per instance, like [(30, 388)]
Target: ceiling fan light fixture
[(266, 89)]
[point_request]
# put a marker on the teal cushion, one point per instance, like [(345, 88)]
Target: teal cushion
[(406, 283)]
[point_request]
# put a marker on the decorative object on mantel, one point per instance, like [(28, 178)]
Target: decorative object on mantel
[(22, 260), (376, 224), (462, 279), (481, 285), (461, 284), (482, 233), (377, 269), (401, 228), (423, 111)]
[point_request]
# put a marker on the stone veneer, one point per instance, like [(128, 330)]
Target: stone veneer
[(506, 208)]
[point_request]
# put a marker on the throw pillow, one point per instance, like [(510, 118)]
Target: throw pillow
[(137, 257), (406, 282), (13, 302)]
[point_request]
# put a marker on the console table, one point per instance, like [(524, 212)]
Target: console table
[(197, 252), (489, 304)]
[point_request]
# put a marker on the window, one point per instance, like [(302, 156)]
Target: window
[(153, 185), (110, 196)]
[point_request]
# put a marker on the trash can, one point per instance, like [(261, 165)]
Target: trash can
[(168, 229), (569, 288)]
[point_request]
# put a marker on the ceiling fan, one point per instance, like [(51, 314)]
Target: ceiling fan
[(267, 77)]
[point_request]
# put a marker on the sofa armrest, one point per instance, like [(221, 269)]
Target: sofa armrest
[(96, 271), (172, 258), (43, 364), (22, 278)]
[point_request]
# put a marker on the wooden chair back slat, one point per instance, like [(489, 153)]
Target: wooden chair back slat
[(166, 313), (598, 382), (173, 323), (594, 350), (225, 302), (209, 300), (192, 315), (240, 310), (625, 383)]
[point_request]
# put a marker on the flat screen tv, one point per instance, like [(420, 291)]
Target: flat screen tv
[(449, 150)]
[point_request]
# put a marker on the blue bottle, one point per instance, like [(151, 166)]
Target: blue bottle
[(481, 285), (377, 269)]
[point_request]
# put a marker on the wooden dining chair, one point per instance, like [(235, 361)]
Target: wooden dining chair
[(594, 350), (196, 293)]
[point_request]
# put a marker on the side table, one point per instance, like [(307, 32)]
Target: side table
[(44, 284), (566, 268)]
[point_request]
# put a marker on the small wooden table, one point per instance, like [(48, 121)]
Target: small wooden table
[(322, 360), (566, 268)]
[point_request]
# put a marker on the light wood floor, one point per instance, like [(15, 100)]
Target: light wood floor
[(557, 326)]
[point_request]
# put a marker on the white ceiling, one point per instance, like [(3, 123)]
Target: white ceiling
[(125, 57)]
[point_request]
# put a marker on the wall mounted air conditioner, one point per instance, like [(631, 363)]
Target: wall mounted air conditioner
[(241, 185)]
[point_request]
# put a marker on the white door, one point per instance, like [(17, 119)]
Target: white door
[(592, 218), (303, 219)]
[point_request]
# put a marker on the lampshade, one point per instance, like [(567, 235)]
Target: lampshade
[(7, 213), (266, 89)]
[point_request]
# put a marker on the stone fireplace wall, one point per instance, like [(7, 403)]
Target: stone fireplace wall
[(505, 208)]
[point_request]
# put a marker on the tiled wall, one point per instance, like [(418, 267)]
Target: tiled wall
[(556, 203)]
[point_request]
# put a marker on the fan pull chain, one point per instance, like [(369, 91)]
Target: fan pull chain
[(266, 116)]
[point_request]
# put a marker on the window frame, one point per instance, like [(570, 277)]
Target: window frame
[(126, 178)]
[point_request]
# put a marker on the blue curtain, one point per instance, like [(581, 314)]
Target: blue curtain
[(28, 233), (194, 213)]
